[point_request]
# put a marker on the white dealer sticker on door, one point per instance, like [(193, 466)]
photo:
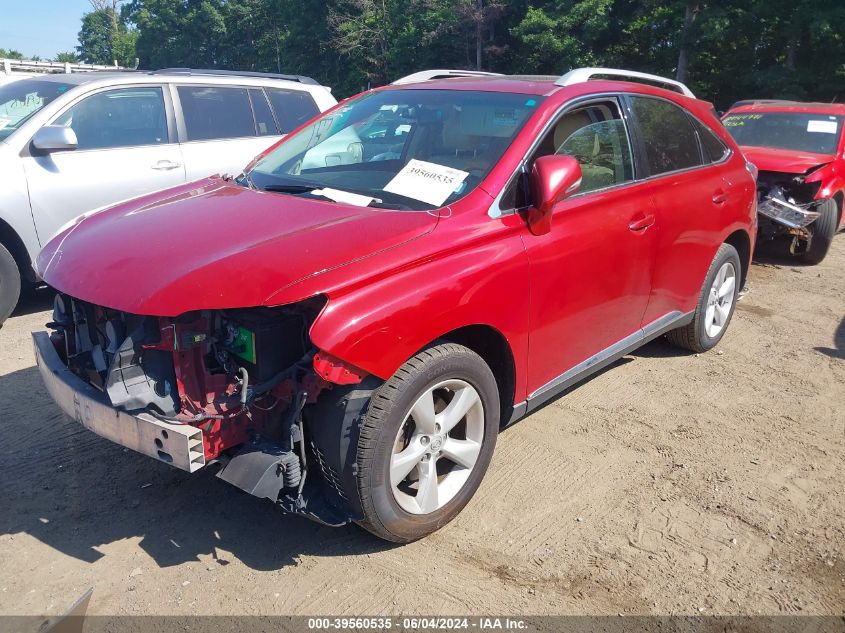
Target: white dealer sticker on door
[(828, 127), (427, 182)]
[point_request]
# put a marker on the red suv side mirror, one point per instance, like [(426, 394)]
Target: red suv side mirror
[(552, 179)]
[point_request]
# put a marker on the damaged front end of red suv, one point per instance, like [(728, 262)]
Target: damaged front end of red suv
[(244, 386), (233, 378)]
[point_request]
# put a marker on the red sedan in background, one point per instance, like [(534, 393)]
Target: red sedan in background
[(799, 150)]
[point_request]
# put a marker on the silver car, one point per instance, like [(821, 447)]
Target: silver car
[(73, 143)]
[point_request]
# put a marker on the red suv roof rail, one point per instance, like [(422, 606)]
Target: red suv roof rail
[(580, 75), (428, 75)]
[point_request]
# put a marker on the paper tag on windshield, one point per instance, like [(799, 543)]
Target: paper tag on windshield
[(345, 197), (4, 123), (427, 182), (828, 127)]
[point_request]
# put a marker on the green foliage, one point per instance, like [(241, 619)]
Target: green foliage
[(106, 38), (563, 34), (181, 32), (10, 53), (68, 57), (728, 49)]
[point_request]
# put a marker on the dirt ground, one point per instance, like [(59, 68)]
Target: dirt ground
[(670, 483)]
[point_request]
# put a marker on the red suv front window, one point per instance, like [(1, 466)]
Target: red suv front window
[(363, 146)]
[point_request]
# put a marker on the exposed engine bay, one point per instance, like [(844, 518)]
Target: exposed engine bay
[(248, 378), (787, 202)]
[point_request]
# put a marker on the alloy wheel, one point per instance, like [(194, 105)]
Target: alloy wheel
[(437, 446), (720, 300)]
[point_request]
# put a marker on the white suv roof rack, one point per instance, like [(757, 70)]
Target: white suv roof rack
[(428, 75), (10, 66), (580, 75)]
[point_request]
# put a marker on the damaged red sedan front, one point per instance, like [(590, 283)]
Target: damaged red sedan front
[(799, 151)]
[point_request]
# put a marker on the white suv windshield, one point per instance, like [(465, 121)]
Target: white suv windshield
[(407, 149), (21, 99)]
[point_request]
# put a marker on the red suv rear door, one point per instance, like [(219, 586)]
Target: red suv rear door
[(692, 200)]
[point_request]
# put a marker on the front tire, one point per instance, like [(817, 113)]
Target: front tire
[(716, 304), (824, 228), (10, 283), (426, 442)]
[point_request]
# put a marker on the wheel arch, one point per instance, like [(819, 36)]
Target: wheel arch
[(494, 349), (741, 241), (14, 244), (839, 198), (378, 326)]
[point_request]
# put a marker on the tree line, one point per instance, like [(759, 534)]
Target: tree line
[(724, 49), (12, 53)]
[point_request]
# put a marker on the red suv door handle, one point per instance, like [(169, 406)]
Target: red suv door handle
[(641, 222), (720, 197)]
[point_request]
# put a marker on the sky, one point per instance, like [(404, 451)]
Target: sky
[(41, 27)]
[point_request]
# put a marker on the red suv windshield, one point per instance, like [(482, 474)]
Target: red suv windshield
[(413, 149), (801, 131)]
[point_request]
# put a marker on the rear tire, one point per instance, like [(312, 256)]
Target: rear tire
[(824, 228), (418, 466), (10, 283), (716, 304)]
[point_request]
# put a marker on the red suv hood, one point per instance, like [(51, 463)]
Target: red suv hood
[(214, 244), (784, 160)]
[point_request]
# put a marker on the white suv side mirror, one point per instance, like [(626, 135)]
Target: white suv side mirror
[(55, 137)]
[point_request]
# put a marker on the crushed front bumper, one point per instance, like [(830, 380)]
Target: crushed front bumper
[(178, 445), (789, 215)]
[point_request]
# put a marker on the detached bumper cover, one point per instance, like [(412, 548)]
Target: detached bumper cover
[(180, 446)]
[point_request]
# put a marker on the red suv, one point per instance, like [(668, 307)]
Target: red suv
[(799, 149), (346, 326)]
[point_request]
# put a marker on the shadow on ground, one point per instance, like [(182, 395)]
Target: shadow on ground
[(658, 348), (776, 253), (35, 299), (77, 493), (839, 342)]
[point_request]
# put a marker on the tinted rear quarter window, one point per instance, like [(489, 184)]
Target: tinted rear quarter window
[(216, 112), (264, 122), (668, 136), (714, 149), (292, 107)]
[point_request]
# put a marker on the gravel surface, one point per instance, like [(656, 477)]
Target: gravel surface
[(669, 483)]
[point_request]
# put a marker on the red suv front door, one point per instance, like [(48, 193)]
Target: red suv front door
[(591, 274)]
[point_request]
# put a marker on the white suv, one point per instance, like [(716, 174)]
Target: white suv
[(72, 143)]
